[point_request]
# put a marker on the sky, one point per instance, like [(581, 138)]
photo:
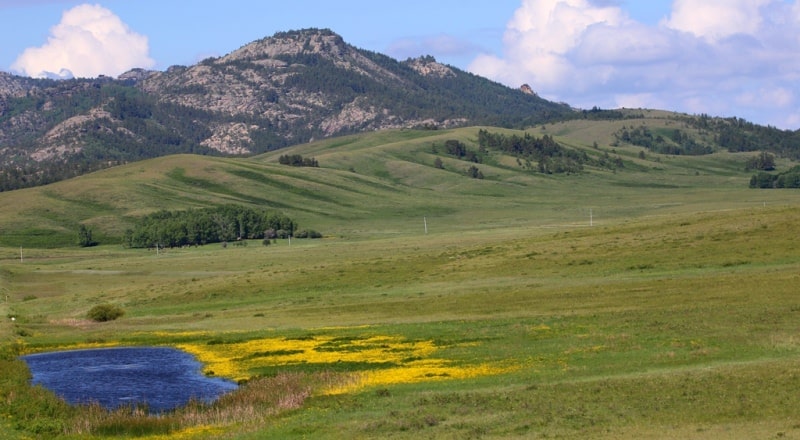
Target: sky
[(719, 57)]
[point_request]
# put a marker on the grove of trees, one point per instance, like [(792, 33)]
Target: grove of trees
[(297, 160), (787, 179), (675, 142), (210, 225), (550, 156), (764, 162)]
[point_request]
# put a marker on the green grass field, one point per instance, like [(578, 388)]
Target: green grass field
[(658, 301)]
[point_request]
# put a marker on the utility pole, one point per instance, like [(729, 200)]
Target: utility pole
[(425, 221)]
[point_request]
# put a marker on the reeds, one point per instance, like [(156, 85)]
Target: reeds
[(251, 404)]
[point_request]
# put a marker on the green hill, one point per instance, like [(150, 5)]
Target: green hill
[(389, 182)]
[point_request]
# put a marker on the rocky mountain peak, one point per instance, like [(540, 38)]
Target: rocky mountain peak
[(526, 89), (12, 86), (293, 43), (135, 75), (428, 66)]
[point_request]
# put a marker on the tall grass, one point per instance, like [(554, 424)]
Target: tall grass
[(251, 405)]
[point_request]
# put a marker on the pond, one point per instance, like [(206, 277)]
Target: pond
[(164, 378)]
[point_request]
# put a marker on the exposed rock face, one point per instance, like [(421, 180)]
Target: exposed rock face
[(232, 138), (526, 89), (64, 138), (12, 86), (427, 66), (136, 75)]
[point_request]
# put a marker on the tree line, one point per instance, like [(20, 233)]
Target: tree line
[(786, 179), (210, 225), (737, 135), (675, 142), (297, 160), (549, 155)]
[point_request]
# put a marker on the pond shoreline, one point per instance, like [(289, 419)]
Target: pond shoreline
[(158, 378)]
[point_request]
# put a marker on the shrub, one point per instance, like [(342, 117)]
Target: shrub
[(308, 233), (85, 237), (474, 172), (105, 312)]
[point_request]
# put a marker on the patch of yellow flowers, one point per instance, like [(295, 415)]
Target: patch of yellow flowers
[(186, 433), (392, 360)]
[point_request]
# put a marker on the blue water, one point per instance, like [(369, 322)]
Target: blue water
[(163, 378)]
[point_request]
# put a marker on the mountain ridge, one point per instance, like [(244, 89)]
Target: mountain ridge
[(289, 88)]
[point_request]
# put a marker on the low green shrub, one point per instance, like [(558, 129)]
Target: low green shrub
[(307, 233), (105, 312)]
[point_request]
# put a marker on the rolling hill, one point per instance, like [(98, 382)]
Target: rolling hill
[(388, 182)]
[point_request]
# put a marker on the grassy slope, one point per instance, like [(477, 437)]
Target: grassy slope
[(675, 315), (382, 184)]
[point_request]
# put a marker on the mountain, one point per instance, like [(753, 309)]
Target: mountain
[(287, 89)]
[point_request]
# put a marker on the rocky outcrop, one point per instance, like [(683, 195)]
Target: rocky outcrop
[(526, 89), (427, 66), (232, 138)]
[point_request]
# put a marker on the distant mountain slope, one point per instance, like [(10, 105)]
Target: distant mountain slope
[(286, 89)]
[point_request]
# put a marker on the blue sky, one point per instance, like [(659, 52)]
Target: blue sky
[(721, 57)]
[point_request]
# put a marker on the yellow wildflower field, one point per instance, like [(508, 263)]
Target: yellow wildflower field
[(386, 359)]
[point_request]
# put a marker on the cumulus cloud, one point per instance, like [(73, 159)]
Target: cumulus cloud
[(89, 41), (716, 19), (722, 57)]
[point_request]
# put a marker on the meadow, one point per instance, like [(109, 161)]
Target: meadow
[(658, 301)]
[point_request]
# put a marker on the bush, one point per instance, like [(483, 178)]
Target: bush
[(308, 233), (85, 237), (474, 172), (105, 312)]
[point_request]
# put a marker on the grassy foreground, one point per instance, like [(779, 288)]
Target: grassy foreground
[(660, 327), (655, 301)]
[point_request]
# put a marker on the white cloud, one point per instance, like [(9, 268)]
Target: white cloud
[(767, 97), (722, 57), (542, 33), (89, 41), (716, 19)]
